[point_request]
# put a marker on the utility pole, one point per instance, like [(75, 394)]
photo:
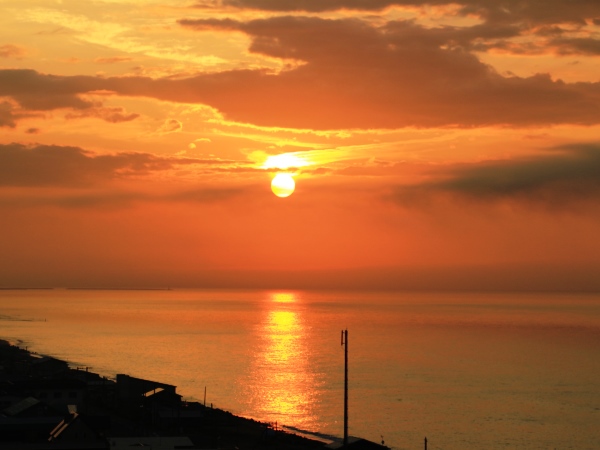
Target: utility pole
[(345, 344)]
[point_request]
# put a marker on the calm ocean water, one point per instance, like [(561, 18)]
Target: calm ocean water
[(469, 371)]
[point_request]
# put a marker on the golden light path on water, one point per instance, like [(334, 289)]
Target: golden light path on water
[(281, 377)]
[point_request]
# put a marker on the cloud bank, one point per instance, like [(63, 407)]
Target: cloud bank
[(562, 178), (356, 73)]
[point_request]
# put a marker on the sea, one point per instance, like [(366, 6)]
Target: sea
[(465, 370)]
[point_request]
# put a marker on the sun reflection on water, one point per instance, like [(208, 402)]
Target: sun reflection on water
[(282, 382), (283, 297)]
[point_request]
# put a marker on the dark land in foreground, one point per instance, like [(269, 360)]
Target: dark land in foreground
[(44, 403)]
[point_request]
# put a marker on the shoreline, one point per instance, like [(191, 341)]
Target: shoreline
[(240, 431)]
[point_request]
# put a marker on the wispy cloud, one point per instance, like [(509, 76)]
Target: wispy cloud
[(112, 115), (113, 59), (12, 51), (170, 126)]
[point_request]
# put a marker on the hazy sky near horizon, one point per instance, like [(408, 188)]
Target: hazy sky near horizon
[(433, 144)]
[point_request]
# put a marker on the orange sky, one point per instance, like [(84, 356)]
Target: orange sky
[(434, 145)]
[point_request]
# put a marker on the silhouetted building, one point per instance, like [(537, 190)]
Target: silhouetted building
[(47, 367), (131, 388), (57, 393), (29, 420), (73, 431)]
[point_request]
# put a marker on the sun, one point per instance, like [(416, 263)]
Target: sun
[(283, 185)]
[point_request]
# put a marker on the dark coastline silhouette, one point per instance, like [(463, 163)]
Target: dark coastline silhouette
[(62, 398)]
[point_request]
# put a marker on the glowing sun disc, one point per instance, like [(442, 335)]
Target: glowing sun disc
[(283, 185)]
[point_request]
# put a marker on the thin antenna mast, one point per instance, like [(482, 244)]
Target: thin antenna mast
[(345, 344)]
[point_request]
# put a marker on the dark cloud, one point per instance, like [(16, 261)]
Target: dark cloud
[(550, 30), (353, 75), (532, 12), (577, 46), (11, 113), (302, 5), (499, 16), (118, 198), (50, 165), (39, 92), (357, 75), (7, 116), (497, 11), (560, 178), (112, 115), (34, 91)]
